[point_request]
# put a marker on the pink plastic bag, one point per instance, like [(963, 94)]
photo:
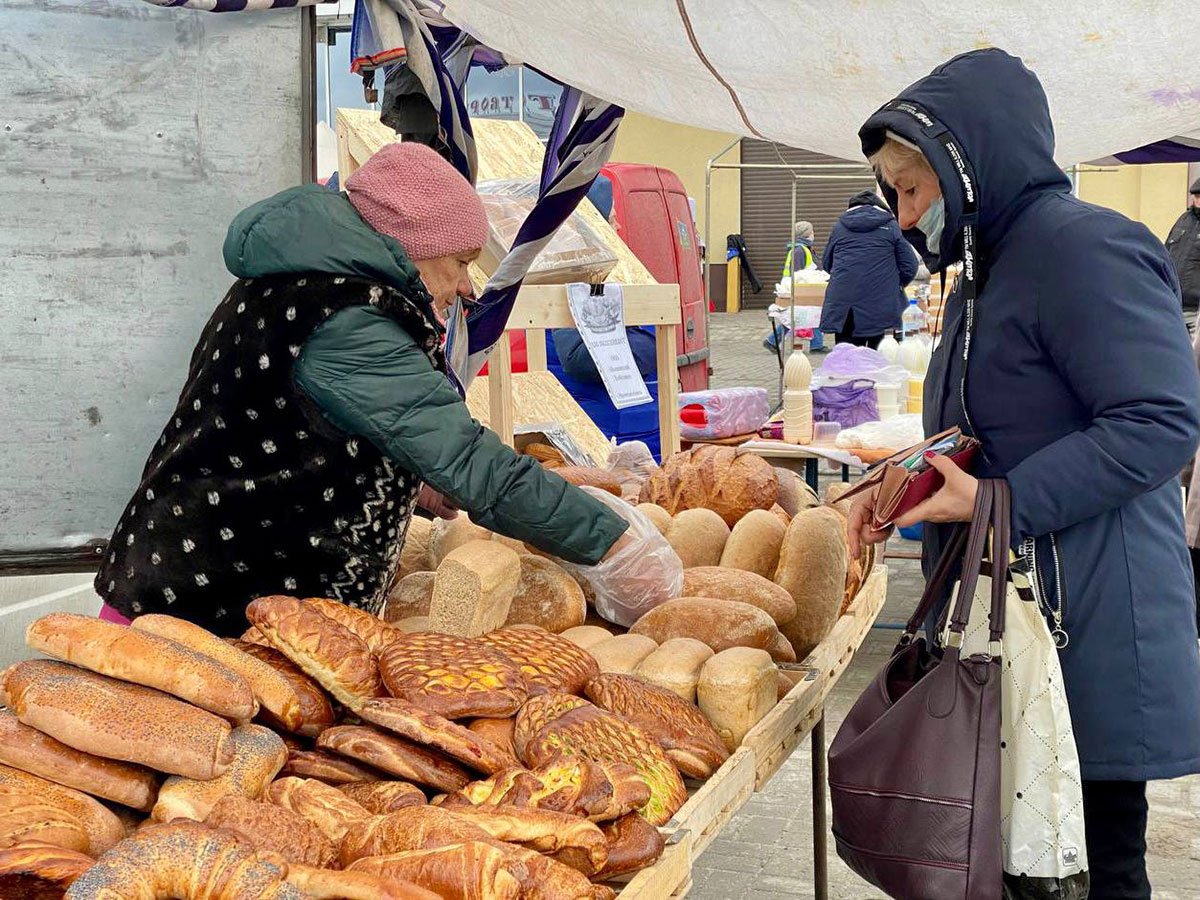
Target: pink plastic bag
[(709, 415), (108, 614)]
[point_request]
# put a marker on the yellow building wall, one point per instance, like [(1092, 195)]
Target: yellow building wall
[(1153, 195), (686, 151)]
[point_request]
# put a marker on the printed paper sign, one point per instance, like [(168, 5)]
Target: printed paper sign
[(599, 313)]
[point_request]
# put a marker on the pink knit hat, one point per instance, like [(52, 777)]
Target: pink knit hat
[(408, 192)]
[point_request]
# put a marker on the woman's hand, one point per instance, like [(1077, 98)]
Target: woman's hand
[(953, 502), (436, 504), (861, 533)]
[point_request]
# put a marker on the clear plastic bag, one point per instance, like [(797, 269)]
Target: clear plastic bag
[(575, 253), (705, 415), (632, 464), (641, 571), (895, 433)]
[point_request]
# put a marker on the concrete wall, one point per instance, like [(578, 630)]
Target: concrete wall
[(686, 151), (25, 598), (131, 137), (1154, 195)]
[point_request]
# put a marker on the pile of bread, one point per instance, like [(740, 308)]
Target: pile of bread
[(329, 754), (767, 574)]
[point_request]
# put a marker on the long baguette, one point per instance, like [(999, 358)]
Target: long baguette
[(145, 659), (118, 720), (39, 754), (271, 688)]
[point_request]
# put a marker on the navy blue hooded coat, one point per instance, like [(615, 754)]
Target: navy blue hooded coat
[(869, 263), (1084, 392)]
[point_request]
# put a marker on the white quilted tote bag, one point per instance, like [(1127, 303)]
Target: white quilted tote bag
[(1041, 796)]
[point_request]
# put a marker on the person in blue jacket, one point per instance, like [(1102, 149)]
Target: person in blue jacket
[(869, 263), (1081, 385)]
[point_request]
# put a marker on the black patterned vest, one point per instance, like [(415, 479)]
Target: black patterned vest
[(249, 490)]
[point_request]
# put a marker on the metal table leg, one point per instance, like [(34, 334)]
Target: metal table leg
[(812, 474), (820, 823)]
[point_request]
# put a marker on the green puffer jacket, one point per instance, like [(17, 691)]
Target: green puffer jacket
[(369, 378)]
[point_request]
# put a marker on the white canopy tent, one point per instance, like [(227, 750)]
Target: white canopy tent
[(807, 73)]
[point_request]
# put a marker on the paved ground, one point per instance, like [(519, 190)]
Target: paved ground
[(766, 852)]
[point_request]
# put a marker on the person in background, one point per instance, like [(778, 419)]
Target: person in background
[(800, 257), (1183, 243), (869, 263), (1072, 368), (1191, 480), (317, 412)]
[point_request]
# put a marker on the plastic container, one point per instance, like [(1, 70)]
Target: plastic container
[(888, 348), (826, 432), (705, 415), (913, 321)]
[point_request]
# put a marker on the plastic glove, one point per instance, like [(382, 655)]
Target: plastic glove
[(639, 572)]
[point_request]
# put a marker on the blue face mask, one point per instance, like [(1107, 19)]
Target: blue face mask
[(932, 222)]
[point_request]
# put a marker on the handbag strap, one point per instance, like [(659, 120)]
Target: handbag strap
[(981, 520), (935, 588), (1001, 541)]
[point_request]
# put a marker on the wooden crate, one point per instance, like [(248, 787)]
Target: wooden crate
[(714, 803)]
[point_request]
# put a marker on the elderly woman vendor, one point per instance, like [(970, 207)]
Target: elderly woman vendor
[(316, 405)]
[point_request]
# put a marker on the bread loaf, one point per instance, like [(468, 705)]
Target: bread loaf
[(329, 883), (409, 596), (680, 729), (517, 547), (584, 475), (569, 839), (498, 732), (659, 517), (183, 859), (587, 636), (547, 661), (781, 514), (414, 552), (468, 871), (812, 568), (371, 630), (35, 871), (546, 596), (453, 676), (316, 712), (431, 730), (698, 536), (737, 688), (474, 588), (676, 666), (781, 650), (795, 495), (39, 754), (384, 797), (274, 691), (448, 535), (395, 756), (720, 583), (834, 494), (633, 844), (258, 755), (26, 819), (326, 807), (623, 653), (330, 768), (326, 651), (145, 659), (724, 479), (754, 543), (719, 623), (271, 827), (118, 720), (102, 828)]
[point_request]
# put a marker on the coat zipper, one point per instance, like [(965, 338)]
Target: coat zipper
[(1053, 611)]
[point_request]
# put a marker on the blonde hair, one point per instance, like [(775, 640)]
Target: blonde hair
[(896, 157)]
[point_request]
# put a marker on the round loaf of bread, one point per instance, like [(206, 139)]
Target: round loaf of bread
[(414, 552), (659, 517), (698, 536), (720, 583), (813, 569), (728, 481), (547, 597), (754, 543), (795, 495), (410, 596), (719, 623)]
